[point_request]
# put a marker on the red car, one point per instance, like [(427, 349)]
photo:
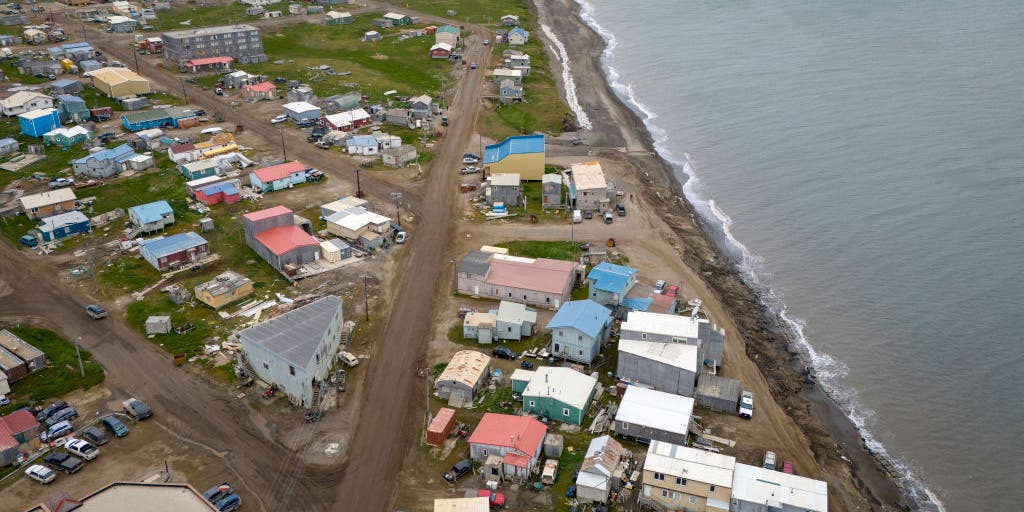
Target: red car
[(672, 291), (787, 466), (495, 499)]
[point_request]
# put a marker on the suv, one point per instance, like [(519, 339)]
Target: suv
[(279, 119), (621, 210), (137, 409), (62, 182), (82, 448), (95, 311), (659, 286), (95, 436), (41, 474), (747, 405), (504, 353), (607, 217), (459, 470), (114, 426), (61, 461), (769, 461), (50, 409), (56, 430), (65, 414)]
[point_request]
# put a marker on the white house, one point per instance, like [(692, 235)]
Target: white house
[(668, 367), (756, 489), (602, 463), (24, 101), (680, 478), (653, 415)]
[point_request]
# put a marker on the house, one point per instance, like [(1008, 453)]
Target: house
[(551, 191), (757, 489), (297, 9), (302, 93), (33, 36), (717, 393), (517, 60), (664, 328), (342, 204), (371, 36), (241, 42), (347, 120), (578, 330), (510, 20), (518, 440), (382, 23), (217, 63), (514, 321), (72, 108), (295, 350), (194, 170), (227, 287), (89, 65), (517, 36), (151, 217), (668, 367), (67, 137), (16, 429), (225, 192), (591, 190), (63, 225), (280, 176), (8, 145), (121, 24), (479, 326), (520, 153), (38, 122), (602, 470), (648, 414), (238, 79), (34, 358), (399, 156), (387, 141), (609, 283), (32, 67), (338, 18), (260, 91), (119, 82), (509, 92), (676, 477), (158, 324), (133, 102), (503, 188), (448, 34), (359, 225), (539, 282), (281, 238), (343, 102), (152, 45), (467, 373), (155, 118), (499, 75), (123, 495), (397, 116), (441, 51), (472, 504), (175, 250), (335, 249), (104, 163), (46, 204), (11, 366), (300, 111), (140, 162), (24, 101), (559, 393), (398, 19), (365, 145), (420, 107)]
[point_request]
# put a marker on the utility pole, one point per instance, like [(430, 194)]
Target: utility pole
[(184, 93), (135, 53), (284, 149), (397, 197), (359, 188), (78, 353), (366, 295)]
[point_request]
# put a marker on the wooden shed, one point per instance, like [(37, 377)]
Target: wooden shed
[(441, 426)]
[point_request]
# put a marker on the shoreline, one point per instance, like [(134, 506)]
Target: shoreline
[(836, 441)]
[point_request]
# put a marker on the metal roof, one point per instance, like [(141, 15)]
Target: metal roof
[(226, 187), (504, 179), (151, 212), (223, 29), (173, 244), (356, 218), (267, 213), (47, 198), (280, 171), (603, 455), (225, 282), (475, 504), (563, 384), (476, 262), (521, 433), (119, 154), (586, 316), (296, 335), (778, 490), (690, 463), (610, 277), (516, 313), (541, 274), (49, 224), (466, 367), (680, 355), (361, 141), (515, 145), (18, 346), (655, 409), (282, 239), (588, 176), (154, 114), (718, 387), (660, 323), (36, 114), (300, 106)]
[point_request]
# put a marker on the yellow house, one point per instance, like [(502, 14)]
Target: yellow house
[(224, 289), (119, 82), (523, 154), (680, 478)]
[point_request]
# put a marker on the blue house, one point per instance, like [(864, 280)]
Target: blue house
[(104, 163), (63, 225), (523, 154), (175, 250), (277, 177), (72, 108), (201, 169), (38, 122), (609, 283), (151, 217), (154, 118), (578, 330)]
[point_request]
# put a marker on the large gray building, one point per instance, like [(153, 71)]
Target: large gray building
[(668, 367), (295, 350), (503, 188), (281, 238), (664, 328), (241, 42), (34, 358)]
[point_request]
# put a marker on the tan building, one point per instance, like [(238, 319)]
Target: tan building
[(133, 496), (224, 289), (478, 504), (46, 204), (523, 154), (680, 478), (591, 187), (466, 373), (119, 82)]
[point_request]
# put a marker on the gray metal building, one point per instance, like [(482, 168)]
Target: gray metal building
[(551, 191), (280, 237), (34, 358), (718, 393), (668, 367), (503, 188), (295, 350), (242, 42)]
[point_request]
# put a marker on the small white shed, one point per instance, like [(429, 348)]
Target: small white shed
[(158, 325)]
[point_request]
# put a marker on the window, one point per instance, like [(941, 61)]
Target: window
[(560, 333), (624, 425), (680, 481), (643, 336), (659, 476), (565, 412), (693, 500), (579, 337), (266, 366), (533, 403), (510, 295), (711, 489), (291, 370)]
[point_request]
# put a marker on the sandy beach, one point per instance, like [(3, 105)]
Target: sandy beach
[(808, 420)]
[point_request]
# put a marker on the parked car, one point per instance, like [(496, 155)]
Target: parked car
[(95, 436), (607, 217), (55, 431), (469, 170), (400, 237), (788, 467), (504, 353), (223, 497), (444, 120), (137, 409), (659, 287), (672, 291), (114, 426), (279, 119), (769, 460), (348, 358), (459, 470), (28, 241), (747, 405), (105, 137), (62, 461), (589, 214), (577, 217), (472, 65), (40, 473), (465, 310), (82, 448), (61, 183), (322, 144), (4, 400), (487, 42), (49, 410), (306, 123), (95, 311), (621, 210), (65, 414), (494, 498)]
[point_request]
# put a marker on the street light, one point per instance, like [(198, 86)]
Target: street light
[(81, 369), (359, 188), (366, 295), (397, 197)]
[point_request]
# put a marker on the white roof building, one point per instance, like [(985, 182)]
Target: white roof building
[(47, 198), (347, 118), (358, 218), (442, 46), (478, 504), (690, 463), (655, 410), (777, 490), (565, 385), (395, 16), (507, 73), (661, 324), (300, 107), (679, 355), (67, 132), (504, 179), (466, 373), (588, 176)]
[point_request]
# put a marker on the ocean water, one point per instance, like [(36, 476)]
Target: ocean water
[(863, 161)]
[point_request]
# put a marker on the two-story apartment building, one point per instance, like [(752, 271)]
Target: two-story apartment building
[(680, 478)]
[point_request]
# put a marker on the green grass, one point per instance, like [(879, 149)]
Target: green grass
[(375, 67), (95, 99), (542, 108), (568, 464), (163, 183), (128, 274), (158, 304), (223, 373), (535, 341), (60, 377), (482, 12), (580, 293), (14, 227), (206, 15), (162, 98), (541, 249)]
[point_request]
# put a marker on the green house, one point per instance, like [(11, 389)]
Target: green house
[(558, 393)]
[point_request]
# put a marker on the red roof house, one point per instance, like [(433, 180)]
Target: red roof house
[(208, 63), (280, 176), (17, 428), (281, 238), (519, 440), (224, 192), (262, 90)]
